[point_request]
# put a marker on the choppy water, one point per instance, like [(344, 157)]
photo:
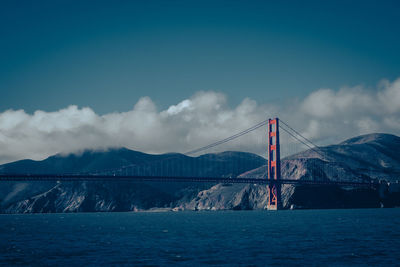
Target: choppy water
[(303, 237)]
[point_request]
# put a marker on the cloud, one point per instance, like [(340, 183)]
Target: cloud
[(325, 116), (175, 109), (352, 111)]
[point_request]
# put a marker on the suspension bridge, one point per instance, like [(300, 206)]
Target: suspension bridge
[(163, 173)]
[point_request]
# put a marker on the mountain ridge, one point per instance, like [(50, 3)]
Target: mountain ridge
[(91, 161)]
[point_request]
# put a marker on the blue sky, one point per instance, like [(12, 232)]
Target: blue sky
[(108, 54), (163, 76)]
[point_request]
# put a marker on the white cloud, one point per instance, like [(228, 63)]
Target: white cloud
[(175, 109), (324, 116)]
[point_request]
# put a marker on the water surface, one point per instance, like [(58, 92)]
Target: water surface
[(300, 237)]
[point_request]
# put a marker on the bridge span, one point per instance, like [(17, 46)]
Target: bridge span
[(139, 178)]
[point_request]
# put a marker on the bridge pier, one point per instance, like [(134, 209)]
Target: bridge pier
[(274, 197), (274, 166)]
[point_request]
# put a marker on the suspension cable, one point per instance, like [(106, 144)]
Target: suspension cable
[(248, 130), (304, 143), (299, 134)]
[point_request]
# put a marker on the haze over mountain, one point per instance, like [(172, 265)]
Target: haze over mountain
[(373, 156)]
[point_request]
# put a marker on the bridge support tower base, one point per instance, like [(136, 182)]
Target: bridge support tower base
[(274, 197)]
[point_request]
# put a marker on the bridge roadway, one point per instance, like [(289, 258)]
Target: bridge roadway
[(138, 178)]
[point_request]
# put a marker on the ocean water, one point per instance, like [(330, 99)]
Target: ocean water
[(368, 237)]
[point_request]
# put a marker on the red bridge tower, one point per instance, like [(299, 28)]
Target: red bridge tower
[(274, 166)]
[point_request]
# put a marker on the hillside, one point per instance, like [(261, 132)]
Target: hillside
[(362, 158), (116, 196)]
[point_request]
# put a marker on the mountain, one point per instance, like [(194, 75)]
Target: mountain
[(371, 156), (362, 158), (116, 195), (124, 161)]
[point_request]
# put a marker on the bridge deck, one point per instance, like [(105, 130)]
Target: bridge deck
[(91, 177)]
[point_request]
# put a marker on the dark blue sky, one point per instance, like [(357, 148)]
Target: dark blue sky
[(107, 54)]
